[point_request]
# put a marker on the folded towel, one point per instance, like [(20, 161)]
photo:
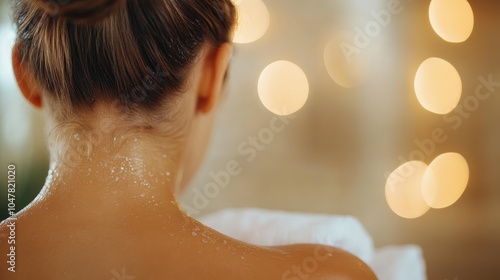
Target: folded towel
[(399, 262), (275, 228)]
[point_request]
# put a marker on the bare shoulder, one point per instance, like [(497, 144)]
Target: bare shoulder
[(324, 263)]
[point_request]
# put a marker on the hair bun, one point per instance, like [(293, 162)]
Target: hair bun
[(79, 10)]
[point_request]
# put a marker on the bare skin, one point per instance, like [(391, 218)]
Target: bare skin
[(114, 213), (85, 227)]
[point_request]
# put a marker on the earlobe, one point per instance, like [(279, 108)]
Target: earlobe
[(22, 76), (213, 77)]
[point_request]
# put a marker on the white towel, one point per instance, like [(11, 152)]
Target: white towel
[(399, 263), (275, 228)]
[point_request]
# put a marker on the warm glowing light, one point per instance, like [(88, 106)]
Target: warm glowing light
[(403, 190), (283, 88), (445, 180), (253, 20), (452, 20), (438, 86), (343, 61)]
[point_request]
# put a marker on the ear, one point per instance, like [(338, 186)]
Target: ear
[(215, 66), (30, 92)]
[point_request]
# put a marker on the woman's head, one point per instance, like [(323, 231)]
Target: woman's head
[(144, 60), (135, 51)]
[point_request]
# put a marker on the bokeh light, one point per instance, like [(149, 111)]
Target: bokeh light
[(283, 88), (445, 180), (403, 190), (438, 86), (344, 61), (253, 21), (452, 20)]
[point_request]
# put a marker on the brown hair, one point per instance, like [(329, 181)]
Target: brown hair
[(136, 51)]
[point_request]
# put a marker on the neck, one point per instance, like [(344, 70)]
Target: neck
[(116, 178)]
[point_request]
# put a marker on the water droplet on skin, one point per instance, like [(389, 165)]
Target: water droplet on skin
[(164, 156), (168, 173), (143, 195), (242, 257), (194, 233), (224, 242)]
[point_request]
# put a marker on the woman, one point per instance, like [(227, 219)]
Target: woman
[(129, 90)]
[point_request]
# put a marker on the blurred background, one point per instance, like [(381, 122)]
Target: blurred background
[(357, 119)]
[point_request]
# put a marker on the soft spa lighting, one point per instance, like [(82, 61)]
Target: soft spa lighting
[(346, 69), (403, 190), (445, 180), (413, 188), (283, 88), (452, 20), (253, 21), (438, 86)]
